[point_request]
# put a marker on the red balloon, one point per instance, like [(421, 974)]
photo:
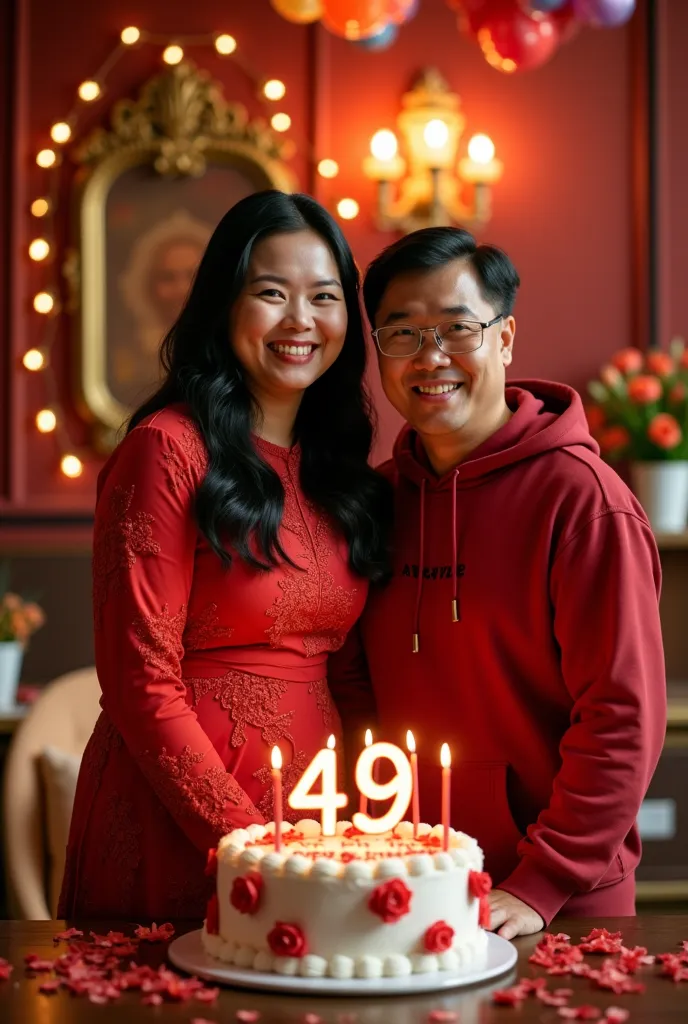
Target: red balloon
[(511, 38), (566, 22), (355, 19)]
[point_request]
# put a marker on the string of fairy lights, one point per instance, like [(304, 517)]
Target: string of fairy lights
[(46, 302)]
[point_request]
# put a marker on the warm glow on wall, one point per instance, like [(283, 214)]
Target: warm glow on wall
[(60, 132), (225, 44), (130, 35), (173, 54), (71, 466), (46, 421), (34, 360), (280, 122), (347, 209), (46, 158), (39, 249), (89, 91), (328, 168), (43, 302), (274, 89)]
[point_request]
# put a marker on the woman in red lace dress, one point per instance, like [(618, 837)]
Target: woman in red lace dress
[(237, 526)]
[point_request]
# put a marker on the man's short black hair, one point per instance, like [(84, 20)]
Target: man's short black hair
[(430, 248)]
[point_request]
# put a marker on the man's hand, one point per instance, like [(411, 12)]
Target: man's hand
[(512, 916)]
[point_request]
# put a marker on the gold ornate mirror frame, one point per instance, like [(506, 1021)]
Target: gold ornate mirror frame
[(179, 126)]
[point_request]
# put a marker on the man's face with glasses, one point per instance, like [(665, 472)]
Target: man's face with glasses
[(443, 350)]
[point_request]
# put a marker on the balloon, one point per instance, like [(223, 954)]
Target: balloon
[(382, 41), (604, 13), (545, 6), (355, 19), (511, 39), (566, 23), (302, 12), (400, 11)]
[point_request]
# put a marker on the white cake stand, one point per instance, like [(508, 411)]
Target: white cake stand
[(187, 953)]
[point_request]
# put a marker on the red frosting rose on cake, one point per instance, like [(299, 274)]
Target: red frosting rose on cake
[(439, 937), (212, 916), (484, 917), (246, 893), (287, 940), (479, 883), (391, 900), (211, 864)]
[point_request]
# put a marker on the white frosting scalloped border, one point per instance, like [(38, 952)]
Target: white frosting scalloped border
[(344, 967), (464, 852)]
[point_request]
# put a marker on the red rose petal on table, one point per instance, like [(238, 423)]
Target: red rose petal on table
[(202, 1020), (586, 1012), (207, 995), (50, 987), (154, 933), (441, 1015), (601, 941), (312, 1018), (6, 969), (631, 959), (153, 999), (508, 996), (71, 933), (247, 1016), (38, 964), (615, 1015)]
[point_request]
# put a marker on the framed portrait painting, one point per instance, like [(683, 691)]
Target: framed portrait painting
[(151, 191)]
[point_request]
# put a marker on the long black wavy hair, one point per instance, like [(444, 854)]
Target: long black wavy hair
[(241, 498)]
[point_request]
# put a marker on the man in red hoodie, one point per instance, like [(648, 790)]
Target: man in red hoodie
[(521, 622)]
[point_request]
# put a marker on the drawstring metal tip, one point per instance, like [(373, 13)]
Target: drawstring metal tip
[(416, 643)]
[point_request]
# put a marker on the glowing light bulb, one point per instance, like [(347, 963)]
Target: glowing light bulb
[(347, 209), (436, 133), (130, 35), (225, 44), (39, 207), (172, 54), (481, 149), (88, 91), (274, 89), (46, 421), (33, 360), (328, 168), (39, 249), (71, 466), (280, 122), (60, 132), (43, 302), (46, 158), (384, 145)]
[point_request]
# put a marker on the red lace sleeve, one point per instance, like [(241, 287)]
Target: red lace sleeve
[(143, 560)]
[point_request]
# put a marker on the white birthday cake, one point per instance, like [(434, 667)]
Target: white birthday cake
[(349, 905)]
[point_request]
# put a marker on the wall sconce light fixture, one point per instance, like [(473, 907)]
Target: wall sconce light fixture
[(434, 190)]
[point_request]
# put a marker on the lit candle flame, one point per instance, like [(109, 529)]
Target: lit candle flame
[(276, 757), (445, 756), (410, 742), (369, 737), (330, 743)]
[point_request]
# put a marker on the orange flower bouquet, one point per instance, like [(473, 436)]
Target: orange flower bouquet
[(640, 413), (18, 619), (640, 409)]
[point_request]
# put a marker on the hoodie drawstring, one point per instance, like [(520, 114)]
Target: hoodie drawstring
[(421, 571), (456, 610), (456, 615)]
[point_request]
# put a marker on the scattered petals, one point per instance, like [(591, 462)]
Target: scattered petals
[(6, 969), (615, 1015), (601, 941), (49, 987), (71, 933), (152, 999), (207, 995), (442, 1015), (631, 959), (202, 1020), (38, 964), (247, 1016), (155, 933), (312, 1018), (586, 1012)]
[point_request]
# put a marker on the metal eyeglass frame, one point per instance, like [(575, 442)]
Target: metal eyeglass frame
[(438, 341)]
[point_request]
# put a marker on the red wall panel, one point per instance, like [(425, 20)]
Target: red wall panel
[(563, 210)]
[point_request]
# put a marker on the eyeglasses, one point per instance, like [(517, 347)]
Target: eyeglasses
[(453, 337)]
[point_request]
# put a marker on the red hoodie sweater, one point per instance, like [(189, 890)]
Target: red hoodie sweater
[(550, 685)]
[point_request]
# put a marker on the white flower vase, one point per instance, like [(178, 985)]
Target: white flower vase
[(662, 490), (11, 657)]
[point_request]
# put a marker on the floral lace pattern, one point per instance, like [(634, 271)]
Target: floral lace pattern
[(204, 794), (120, 538), (121, 848), (324, 703), (195, 457), (291, 774), (204, 628), (311, 604), (250, 700), (160, 637)]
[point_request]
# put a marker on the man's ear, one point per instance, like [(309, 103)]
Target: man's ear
[(506, 340)]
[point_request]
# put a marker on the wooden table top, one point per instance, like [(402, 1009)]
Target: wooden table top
[(663, 1000)]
